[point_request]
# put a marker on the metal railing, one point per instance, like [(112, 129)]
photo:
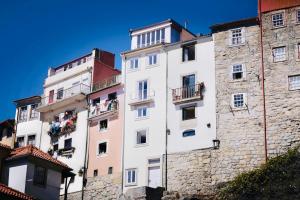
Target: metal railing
[(106, 83), (104, 108), (64, 94), (188, 92)]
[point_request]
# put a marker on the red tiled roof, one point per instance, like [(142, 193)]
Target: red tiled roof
[(7, 191), (31, 150)]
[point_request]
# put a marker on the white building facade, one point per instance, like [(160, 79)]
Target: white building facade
[(191, 95), (28, 123), (144, 70)]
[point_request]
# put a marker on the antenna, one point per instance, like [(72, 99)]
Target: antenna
[(185, 23)]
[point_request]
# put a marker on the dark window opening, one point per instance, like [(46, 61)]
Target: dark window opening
[(112, 96), (102, 148), (188, 133), (188, 53), (188, 113), (103, 125), (68, 144), (110, 170), (95, 172)]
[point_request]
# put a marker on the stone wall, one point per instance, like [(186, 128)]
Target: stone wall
[(100, 188), (282, 105)]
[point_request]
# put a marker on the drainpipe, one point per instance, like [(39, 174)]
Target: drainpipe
[(167, 130), (124, 109), (263, 81)]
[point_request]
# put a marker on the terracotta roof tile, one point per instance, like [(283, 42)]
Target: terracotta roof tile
[(7, 191), (31, 150)]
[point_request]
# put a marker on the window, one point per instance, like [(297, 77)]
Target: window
[(95, 172), (157, 36), (103, 125), (102, 148), (68, 143), (23, 114), (134, 63), (278, 20), (138, 41), (237, 72), (162, 35), (152, 59), (298, 50), (141, 137), (131, 176), (298, 15), (33, 113), (40, 176), (237, 36), (188, 53), (279, 54), (238, 100), (188, 133), (150, 38), (294, 82), (110, 170), (142, 90), (142, 112), (20, 141), (112, 96), (188, 113), (31, 140), (143, 39), (60, 93), (55, 146)]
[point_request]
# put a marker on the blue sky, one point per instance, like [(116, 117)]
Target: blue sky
[(35, 35)]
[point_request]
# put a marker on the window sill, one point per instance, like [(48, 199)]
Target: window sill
[(102, 155), (236, 45), (133, 70), (238, 80), (279, 61), (186, 120), (151, 66), (239, 108), (141, 145), (278, 27), (141, 118), (130, 184), (188, 61), (103, 131), (294, 90)]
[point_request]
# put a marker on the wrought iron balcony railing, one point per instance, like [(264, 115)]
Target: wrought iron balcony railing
[(188, 93)]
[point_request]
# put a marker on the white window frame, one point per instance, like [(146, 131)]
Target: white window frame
[(151, 57), (136, 138), (294, 86), (279, 56), (23, 116), (244, 101), (131, 183), (276, 21), (143, 96), (240, 40), (142, 116), (243, 72), (132, 63), (27, 142)]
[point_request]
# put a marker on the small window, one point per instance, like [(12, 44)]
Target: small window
[(188, 113), (23, 114), (95, 172), (157, 36), (40, 176), (102, 148), (279, 54), (55, 146), (148, 39), (68, 143), (152, 59), (138, 41), (278, 20), (31, 140), (112, 96), (142, 112), (298, 15), (143, 40), (60, 93), (294, 82), (96, 102), (152, 37), (237, 36), (298, 50), (134, 63), (237, 72), (103, 125), (33, 113), (110, 170), (141, 137), (238, 100), (20, 141), (188, 52), (188, 133), (131, 176)]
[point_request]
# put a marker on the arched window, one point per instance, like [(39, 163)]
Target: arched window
[(188, 133)]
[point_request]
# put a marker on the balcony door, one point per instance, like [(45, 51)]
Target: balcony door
[(51, 96), (188, 86), (143, 89)]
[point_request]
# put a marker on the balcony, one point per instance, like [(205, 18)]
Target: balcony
[(63, 98), (143, 97), (65, 124), (107, 83), (188, 94), (104, 110)]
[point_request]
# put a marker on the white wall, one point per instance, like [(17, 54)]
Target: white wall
[(204, 69), (137, 156), (17, 177), (31, 127)]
